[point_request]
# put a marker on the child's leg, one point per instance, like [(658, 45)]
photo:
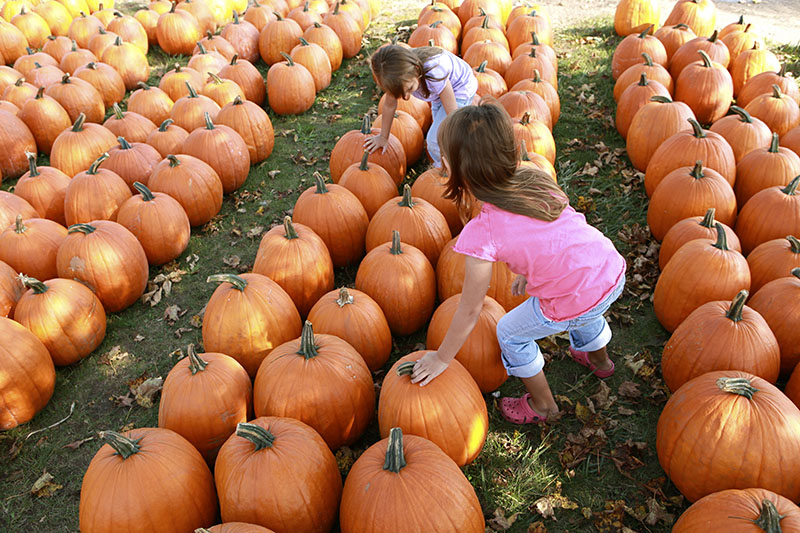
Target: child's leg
[(591, 333), (541, 399), (432, 142)]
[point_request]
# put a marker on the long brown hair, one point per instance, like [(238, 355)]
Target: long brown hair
[(478, 143), (395, 65)]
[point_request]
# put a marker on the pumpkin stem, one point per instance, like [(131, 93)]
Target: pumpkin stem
[(722, 238), (645, 32), (173, 160), (117, 112), (523, 151), (647, 59), (19, 227), (33, 283), (259, 436), (209, 124), (537, 78), (93, 169), (405, 369), (307, 347), (277, 15), (142, 85), (77, 126), (86, 229), (74, 46), (796, 272), (776, 91), (122, 445), (93, 66), (484, 24), (147, 194), (661, 99), (526, 119), (123, 144), (366, 125), (740, 386), (741, 20), (782, 71), (713, 37), (534, 39), (238, 282), (697, 171), (407, 200), (773, 145), (39, 93), (196, 363), (336, 9), (482, 67), (64, 79), (238, 100), (436, 24), (209, 35), (698, 129), (288, 228), (364, 163), (234, 59), (32, 164), (769, 520), (320, 181), (192, 92), (395, 460), (302, 40), (532, 53), (201, 47), (288, 58), (704, 57), (744, 116), (708, 220), (164, 125), (215, 78), (794, 244), (344, 297), (735, 311), (792, 187), (395, 249), (118, 41), (643, 80)]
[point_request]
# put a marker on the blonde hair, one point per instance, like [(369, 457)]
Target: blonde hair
[(395, 65), (479, 145)]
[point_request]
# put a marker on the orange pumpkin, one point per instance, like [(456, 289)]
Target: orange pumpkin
[(167, 138), (30, 247), (743, 132), (76, 148), (223, 149), (770, 214), (691, 228), (777, 303), (10, 290), (370, 183), (653, 124), (772, 260), (252, 123), (94, 194), (739, 511), (290, 87), (44, 188), (192, 182), (350, 148)]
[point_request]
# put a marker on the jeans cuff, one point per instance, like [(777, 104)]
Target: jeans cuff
[(528, 370), (602, 339)]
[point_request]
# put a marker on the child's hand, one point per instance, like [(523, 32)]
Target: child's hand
[(428, 368), (373, 143), (518, 287)]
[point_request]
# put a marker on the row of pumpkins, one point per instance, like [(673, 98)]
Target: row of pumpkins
[(306, 405), (723, 356)]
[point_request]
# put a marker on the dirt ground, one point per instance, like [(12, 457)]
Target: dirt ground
[(777, 20)]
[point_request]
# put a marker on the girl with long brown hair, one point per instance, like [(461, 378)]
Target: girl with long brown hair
[(429, 73), (571, 271)]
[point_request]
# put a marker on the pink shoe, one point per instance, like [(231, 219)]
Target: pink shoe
[(518, 411), (582, 358)]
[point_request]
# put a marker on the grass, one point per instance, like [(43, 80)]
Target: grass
[(596, 470)]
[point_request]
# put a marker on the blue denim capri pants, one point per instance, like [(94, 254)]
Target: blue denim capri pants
[(438, 115), (518, 330)]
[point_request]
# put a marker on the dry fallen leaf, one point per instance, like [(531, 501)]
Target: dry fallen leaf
[(44, 486), (500, 522), (629, 389), (147, 390), (172, 314), (78, 443)]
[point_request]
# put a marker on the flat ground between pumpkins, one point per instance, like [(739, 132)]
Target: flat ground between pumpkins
[(595, 470)]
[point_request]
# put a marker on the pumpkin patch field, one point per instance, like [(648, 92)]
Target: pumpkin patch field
[(211, 297)]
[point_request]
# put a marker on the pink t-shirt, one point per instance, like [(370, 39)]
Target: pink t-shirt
[(570, 265)]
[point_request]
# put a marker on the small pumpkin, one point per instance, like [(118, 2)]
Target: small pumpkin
[(252, 123), (177, 32), (770, 214), (750, 63), (95, 194), (495, 54), (370, 183), (30, 247), (278, 38), (150, 102), (765, 167), (743, 132), (76, 148), (132, 162), (174, 82), (712, 46), (290, 87), (772, 260), (631, 48), (325, 37), (105, 79), (490, 83), (223, 149), (706, 87), (167, 138), (248, 78), (129, 61), (192, 182), (762, 84), (699, 15), (350, 148), (243, 37), (129, 124), (633, 99), (348, 30), (44, 189), (189, 111), (78, 97), (632, 16), (778, 111)]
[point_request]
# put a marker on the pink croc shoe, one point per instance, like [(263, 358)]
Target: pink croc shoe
[(582, 358), (518, 411)]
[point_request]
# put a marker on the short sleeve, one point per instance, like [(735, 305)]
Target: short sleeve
[(442, 68), (475, 240)]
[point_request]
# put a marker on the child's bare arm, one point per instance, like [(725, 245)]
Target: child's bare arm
[(477, 275), (374, 142), (448, 98)]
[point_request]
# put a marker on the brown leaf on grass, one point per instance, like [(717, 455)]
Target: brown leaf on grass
[(146, 391), (232, 261), (138, 338), (556, 500), (499, 522), (254, 232), (115, 358), (602, 398), (196, 321), (626, 456), (578, 446), (16, 447), (78, 443), (180, 331), (173, 313), (624, 411), (629, 389), (657, 513), (544, 506), (610, 519), (537, 527), (192, 260), (44, 486)]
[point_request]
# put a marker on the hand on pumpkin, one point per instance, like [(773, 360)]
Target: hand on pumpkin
[(427, 368), (518, 286), (373, 143)]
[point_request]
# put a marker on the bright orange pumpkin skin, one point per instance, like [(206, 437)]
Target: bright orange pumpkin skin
[(773, 260), (735, 511), (10, 290), (291, 485), (30, 371), (704, 430), (183, 477), (449, 411), (30, 246), (777, 301), (238, 527)]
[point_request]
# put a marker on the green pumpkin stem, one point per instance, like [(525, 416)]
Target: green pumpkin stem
[(405, 369), (117, 111), (259, 436), (643, 79), (93, 66), (645, 32), (215, 78), (33, 283), (142, 85), (173, 160), (782, 71), (482, 67), (698, 129), (123, 144), (740, 386), (19, 227), (77, 126), (201, 47), (523, 151), (395, 460), (364, 162), (773, 145), (344, 297), (795, 272), (396, 249), (737, 306), (336, 9), (118, 41), (713, 37), (288, 58), (302, 40), (741, 20), (164, 125), (64, 79), (537, 78), (196, 363), (32, 164), (532, 53), (209, 35), (407, 200), (769, 520), (776, 91), (708, 219), (308, 348), (484, 24), (320, 182), (234, 59), (86, 229), (288, 228), (192, 92), (697, 171), (238, 282), (704, 57), (122, 445), (209, 123), (74, 46), (366, 125), (661, 99), (238, 100), (526, 119), (647, 59), (96, 164), (534, 39), (744, 116), (794, 244), (792, 187), (722, 238), (147, 194), (39, 93)]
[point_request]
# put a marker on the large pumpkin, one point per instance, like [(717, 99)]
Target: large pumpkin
[(65, 315), (689, 229), (705, 435), (763, 167), (204, 397), (770, 214), (76, 148), (95, 194), (706, 87), (45, 118), (632, 16), (290, 87), (252, 124), (654, 123), (777, 301), (186, 499), (44, 189), (401, 473), (628, 52), (278, 473), (30, 375), (350, 148), (449, 411), (247, 317), (17, 139), (699, 15), (743, 132), (336, 398), (740, 511), (370, 183), (721, 336)]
